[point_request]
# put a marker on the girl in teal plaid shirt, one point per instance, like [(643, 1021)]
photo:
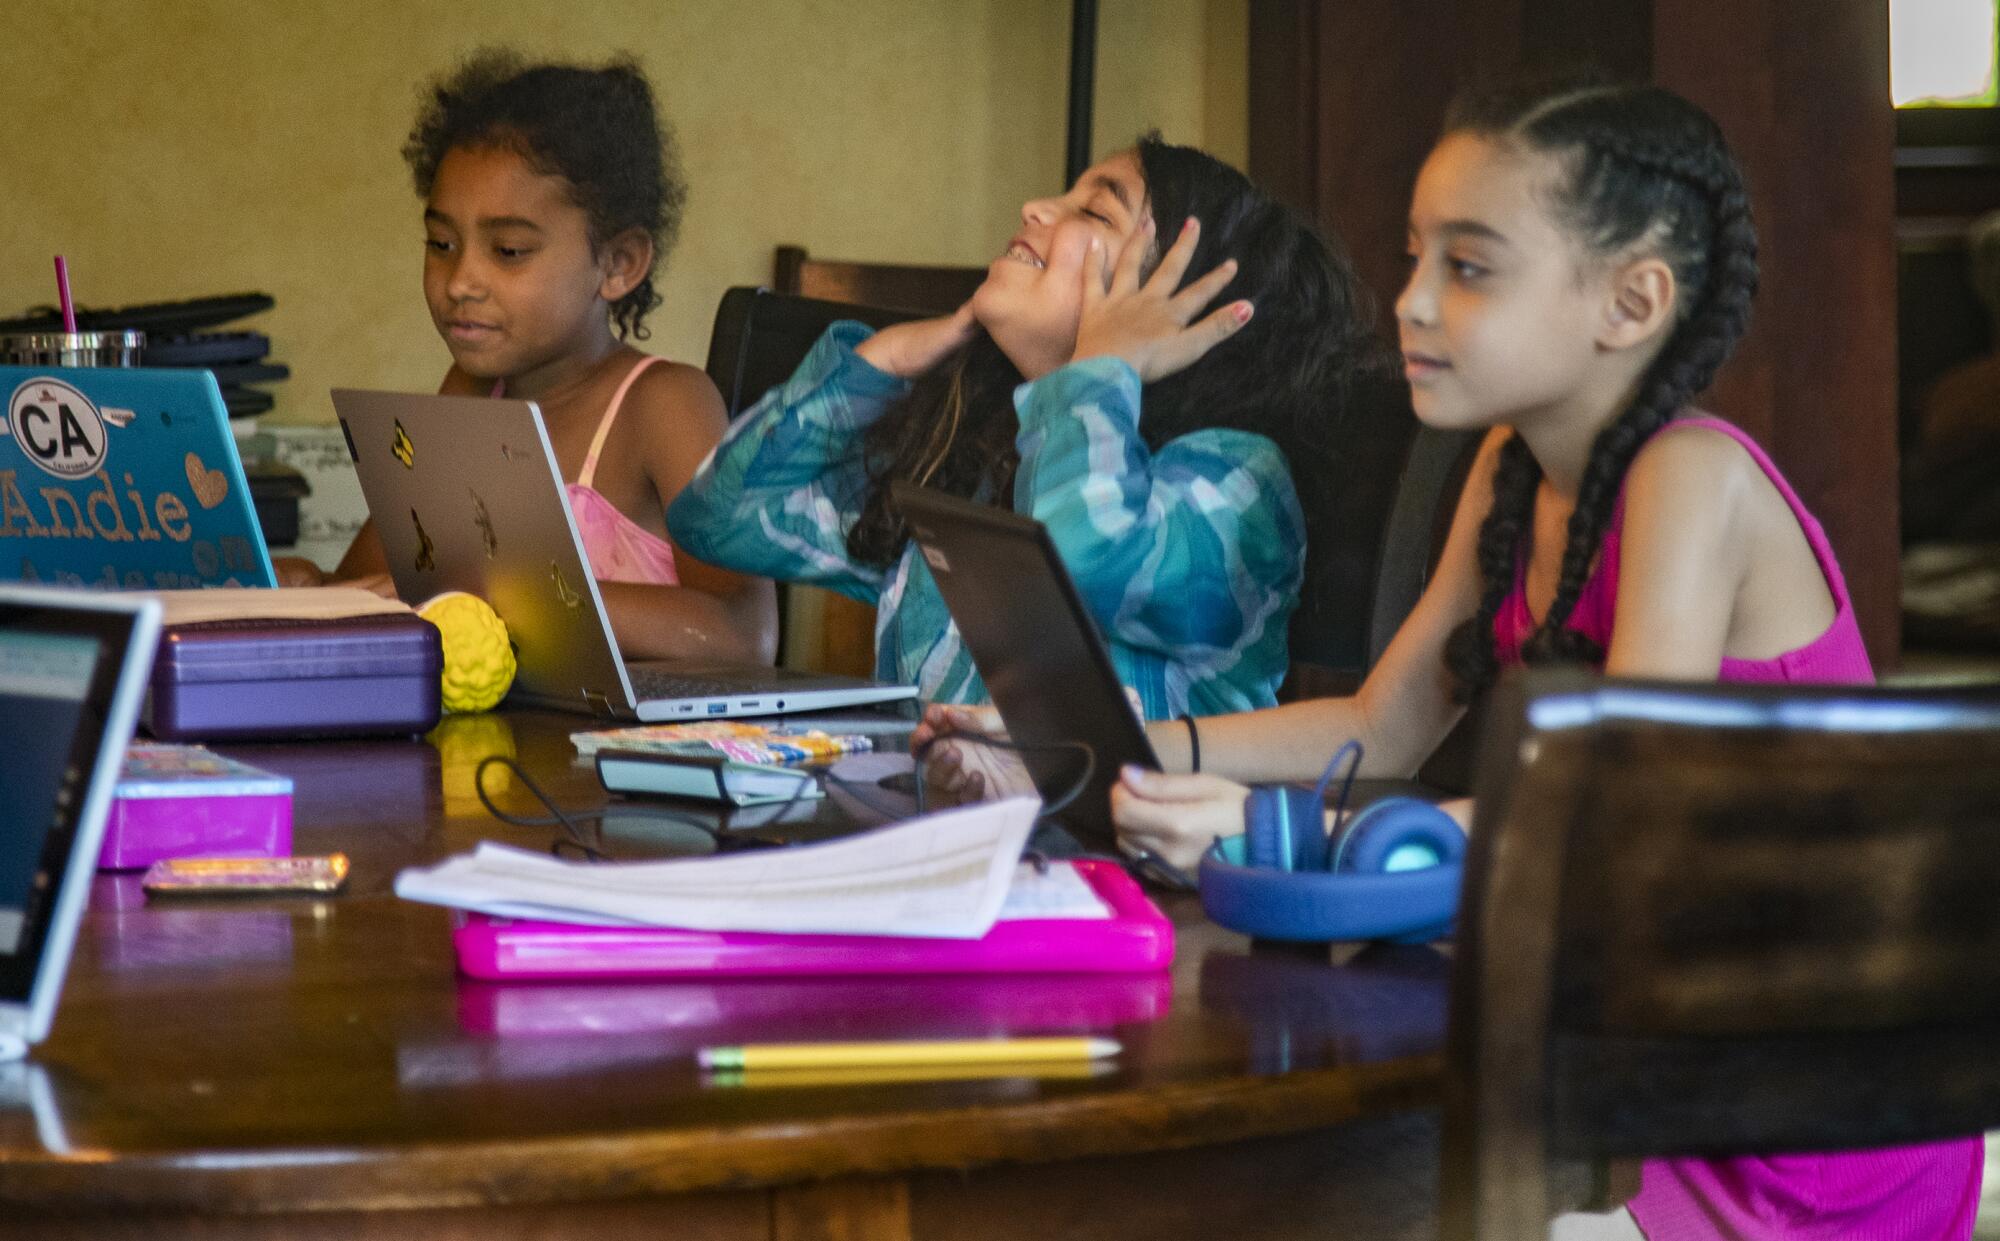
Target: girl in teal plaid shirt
[(1143, 363)]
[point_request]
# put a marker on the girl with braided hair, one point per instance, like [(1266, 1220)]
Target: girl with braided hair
[(1582, 262)]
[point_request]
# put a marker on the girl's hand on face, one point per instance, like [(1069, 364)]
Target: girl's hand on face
[(1175, 817), (1148, 324), (968, 771), (907, 350)]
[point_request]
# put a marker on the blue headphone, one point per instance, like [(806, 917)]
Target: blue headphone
[(1391, 871)]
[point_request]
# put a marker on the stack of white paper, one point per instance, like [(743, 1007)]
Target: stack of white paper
[(943, 876)]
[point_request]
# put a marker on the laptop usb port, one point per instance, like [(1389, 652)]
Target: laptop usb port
[(717, 708)]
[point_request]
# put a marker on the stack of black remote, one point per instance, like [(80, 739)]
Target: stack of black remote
[(177, 334)]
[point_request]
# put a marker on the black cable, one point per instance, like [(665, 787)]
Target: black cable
[(1145, 861), (560, 819), (574, 836)]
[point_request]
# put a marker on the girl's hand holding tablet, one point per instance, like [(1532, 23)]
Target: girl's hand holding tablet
[(1144, 320)]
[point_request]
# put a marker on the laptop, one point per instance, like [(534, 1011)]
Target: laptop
[(1036, 647), (73, 667), (123, 478), (466, 496)]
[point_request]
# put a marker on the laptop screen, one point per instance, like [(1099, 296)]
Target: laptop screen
[(60, 677)]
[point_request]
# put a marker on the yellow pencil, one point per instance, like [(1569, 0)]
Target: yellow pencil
[(953, 1051), (880, 1075)]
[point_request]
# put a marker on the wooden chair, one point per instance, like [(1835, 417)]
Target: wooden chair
[(1713, 920), (1395, 484), (835, 633), (760, 337), (922, 290), (758, 340)]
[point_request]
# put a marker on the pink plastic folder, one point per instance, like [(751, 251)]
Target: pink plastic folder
[(1136, 938)]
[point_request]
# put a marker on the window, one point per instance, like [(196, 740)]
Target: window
[(1943, 53)]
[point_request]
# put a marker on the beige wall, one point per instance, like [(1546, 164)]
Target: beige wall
[(186, 147)]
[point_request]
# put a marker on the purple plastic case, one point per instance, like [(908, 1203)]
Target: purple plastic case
[(1136, 938), (234, 680)]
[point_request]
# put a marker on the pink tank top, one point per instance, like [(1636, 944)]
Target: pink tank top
[(620, 549), (1837, 656), (1896, 1194)]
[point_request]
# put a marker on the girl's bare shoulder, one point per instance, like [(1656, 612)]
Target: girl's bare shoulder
[(675, 391), (1691, 464)]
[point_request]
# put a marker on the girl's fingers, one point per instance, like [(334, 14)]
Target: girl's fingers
[(1190, 301), (1174, 263), (1133, 258), (1096, 273), (1158, 786), (1186, 346)]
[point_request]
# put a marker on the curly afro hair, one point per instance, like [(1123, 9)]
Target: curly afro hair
[(596, 127)]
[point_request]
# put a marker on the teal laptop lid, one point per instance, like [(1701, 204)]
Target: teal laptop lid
[(123, 478)]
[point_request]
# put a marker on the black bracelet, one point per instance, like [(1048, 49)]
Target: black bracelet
[(1194, 742)]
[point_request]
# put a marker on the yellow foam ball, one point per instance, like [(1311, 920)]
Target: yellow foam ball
[(478, 658)]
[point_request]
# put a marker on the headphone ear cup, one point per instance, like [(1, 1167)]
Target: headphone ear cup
[(1284, 828), (1398, 834)]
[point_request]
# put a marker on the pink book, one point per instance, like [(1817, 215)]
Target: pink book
[(1134, 938), (178, 801)]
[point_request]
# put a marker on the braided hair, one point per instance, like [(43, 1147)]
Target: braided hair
[(1287, 374), (1641, 167), (596, 127)]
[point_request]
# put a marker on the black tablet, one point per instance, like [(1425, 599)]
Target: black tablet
[(1036, 647)]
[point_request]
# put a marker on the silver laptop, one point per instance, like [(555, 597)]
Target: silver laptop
[(466, 495), (73, 667)]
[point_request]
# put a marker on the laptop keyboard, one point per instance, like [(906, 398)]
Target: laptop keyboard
[(651, 684)]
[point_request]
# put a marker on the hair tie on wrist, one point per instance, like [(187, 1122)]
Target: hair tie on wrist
[(1194, 741)]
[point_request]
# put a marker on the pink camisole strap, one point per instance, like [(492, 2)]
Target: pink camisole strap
[(620, 549), (1836, 656)]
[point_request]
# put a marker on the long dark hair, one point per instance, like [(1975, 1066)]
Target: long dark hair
[(1286, 374), (1640, 166), (595, 126)]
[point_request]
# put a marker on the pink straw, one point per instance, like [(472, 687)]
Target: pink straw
[(62, 291)]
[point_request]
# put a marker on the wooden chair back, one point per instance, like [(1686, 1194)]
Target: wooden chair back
[(760, 337), (758, 340), (1718, 919), (836, 633), (1396, 485), (908, 287)]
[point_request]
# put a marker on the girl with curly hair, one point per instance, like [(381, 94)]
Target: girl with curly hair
[(551, 194)]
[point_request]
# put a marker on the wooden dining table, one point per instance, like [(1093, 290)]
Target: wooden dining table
[(316, 1067)]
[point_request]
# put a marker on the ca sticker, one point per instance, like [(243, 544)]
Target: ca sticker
[(402, 449), (58, 427)]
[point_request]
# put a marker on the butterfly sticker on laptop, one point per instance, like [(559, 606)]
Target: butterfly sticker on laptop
[(426, 550), (564, 591), (402, 449), (484, 520)]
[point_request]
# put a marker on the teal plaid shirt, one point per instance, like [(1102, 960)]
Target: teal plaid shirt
[(1189, 558)]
